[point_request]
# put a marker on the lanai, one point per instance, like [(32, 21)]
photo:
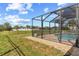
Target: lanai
[(59, 18)]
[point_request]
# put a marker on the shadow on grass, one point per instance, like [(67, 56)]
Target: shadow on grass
[(8, 51), (18, 50)]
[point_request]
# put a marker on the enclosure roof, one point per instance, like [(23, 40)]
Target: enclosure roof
[(67, 12)]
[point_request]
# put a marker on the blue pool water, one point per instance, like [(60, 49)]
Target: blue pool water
[(67, 36)]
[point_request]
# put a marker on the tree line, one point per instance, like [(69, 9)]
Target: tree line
[(7, 27)]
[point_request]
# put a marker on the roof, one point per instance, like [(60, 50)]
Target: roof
[(66, 13)]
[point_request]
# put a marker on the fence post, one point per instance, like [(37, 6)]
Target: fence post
[(77, 24), (60, 26), (41, 26), (49, 28), (32, 28)]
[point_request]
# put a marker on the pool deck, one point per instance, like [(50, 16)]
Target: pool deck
[(75, 52), (62, 47), (52, 37)]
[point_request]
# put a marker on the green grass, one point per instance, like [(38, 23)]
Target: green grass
[(28, 47)]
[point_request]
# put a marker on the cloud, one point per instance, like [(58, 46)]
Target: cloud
[(15, 19), (23, 12), (22, 8), (46, 10), (23, 20), (14, 6), (61, 5), (29, 6)]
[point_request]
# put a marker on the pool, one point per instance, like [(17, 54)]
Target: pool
[(68, 36)]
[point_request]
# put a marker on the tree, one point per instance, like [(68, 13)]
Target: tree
[(1, 28), (72, 23), (7, 26), (16, 27), (21, 27), (27, 26)]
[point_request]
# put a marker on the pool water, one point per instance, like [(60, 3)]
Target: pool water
[(67, 36)]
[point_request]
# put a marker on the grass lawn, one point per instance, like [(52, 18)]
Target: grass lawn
[(29, 48)]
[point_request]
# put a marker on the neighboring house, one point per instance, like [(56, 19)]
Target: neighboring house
[(22, 29)]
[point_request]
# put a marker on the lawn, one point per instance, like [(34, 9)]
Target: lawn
[(28, 47)]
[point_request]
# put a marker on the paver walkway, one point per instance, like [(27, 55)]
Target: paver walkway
[(64, 48)]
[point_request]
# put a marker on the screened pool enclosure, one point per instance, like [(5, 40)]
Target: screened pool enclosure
[(59, 25)]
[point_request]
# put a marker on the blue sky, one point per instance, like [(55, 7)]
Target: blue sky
[(22, 13)]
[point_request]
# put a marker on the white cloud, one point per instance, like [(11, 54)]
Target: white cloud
[(46, 10), (23, 20), (29, 6), (23, 12), (22, 8), (14, 6), (61, 5), (15, 19)]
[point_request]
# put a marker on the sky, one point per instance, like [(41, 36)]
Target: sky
[(22, 13)]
